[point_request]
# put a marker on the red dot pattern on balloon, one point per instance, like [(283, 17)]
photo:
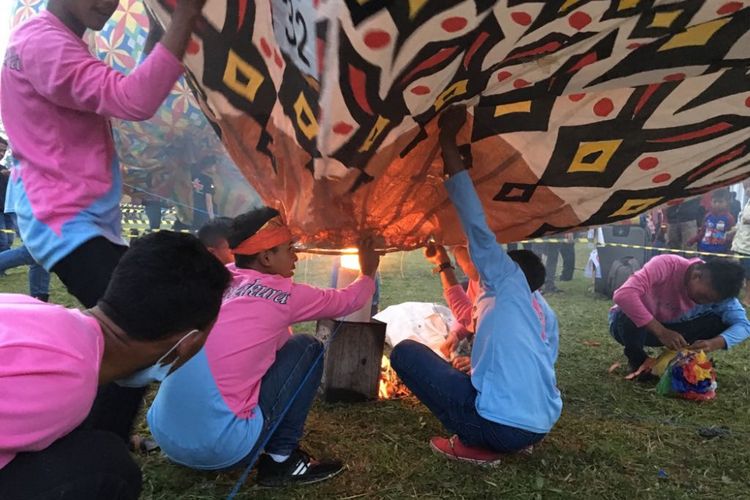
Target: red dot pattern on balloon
[(420, 90), (503, 75), (579, 20), (453, 24), (277, 59), (520, 83), (521, 18), (674, 77), (603, 107), (193, 47), (634, 45), (747, 102), (648, 163), (377, 39), (729, 8), (265, 47), (576, 97), (661, 178), (342, 128)]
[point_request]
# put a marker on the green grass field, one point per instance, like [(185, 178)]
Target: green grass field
[(615, 439)]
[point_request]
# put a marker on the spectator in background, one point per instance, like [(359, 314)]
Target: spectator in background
[(6, 220), (152, 202), (568, 254), (38, 276), (203, 194), (735, 207), (714, 235), (682, 224), (550, 251)]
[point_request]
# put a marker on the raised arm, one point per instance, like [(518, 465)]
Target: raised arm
[(488, 256), (64, 71)]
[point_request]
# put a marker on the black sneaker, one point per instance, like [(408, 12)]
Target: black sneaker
[(299, 468)]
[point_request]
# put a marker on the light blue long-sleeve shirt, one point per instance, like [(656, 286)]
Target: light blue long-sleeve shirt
[(517, 336), (731, 313)]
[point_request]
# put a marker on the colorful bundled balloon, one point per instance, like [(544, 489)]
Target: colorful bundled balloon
[(690, 375)]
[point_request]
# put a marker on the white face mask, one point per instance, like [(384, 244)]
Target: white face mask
[(156, 372)]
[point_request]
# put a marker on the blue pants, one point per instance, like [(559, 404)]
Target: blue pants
[(451, 397), (38, 277), (6, 224), (277, 390)]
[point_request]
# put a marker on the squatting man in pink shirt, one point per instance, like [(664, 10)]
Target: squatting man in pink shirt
[(156, 313), (251, 388), (679, 303)]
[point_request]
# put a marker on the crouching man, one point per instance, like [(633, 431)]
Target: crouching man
[(509, 399), (160, 304)]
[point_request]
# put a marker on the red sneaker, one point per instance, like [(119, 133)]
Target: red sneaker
[(453, 449)]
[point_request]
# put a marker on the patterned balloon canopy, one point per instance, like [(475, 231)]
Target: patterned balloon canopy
[(583, 112), (159, 154)]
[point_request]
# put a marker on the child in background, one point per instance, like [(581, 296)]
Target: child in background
[(714, 236), (215, 236), (217, 411)]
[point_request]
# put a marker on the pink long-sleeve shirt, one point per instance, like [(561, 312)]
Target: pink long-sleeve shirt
[(49, 372), (206, 414), (56, 100), (461, 304), (656, 291)]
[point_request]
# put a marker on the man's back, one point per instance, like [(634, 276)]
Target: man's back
[(49, 372)]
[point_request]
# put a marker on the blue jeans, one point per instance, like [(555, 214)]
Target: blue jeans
[(449, 395), (38, 277), (6, 224), (277, 392)]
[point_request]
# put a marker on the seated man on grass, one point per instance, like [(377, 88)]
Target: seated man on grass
[(159, 306), (251, 388), (509, 399), (679, 303)]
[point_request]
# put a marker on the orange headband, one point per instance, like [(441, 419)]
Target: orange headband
[(267, 237)]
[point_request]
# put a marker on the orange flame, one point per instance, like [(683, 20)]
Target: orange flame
[(391, 387)]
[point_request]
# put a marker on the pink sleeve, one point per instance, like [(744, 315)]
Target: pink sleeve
[(460, 304), (62, 70), (309, 303), (629, 296)]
